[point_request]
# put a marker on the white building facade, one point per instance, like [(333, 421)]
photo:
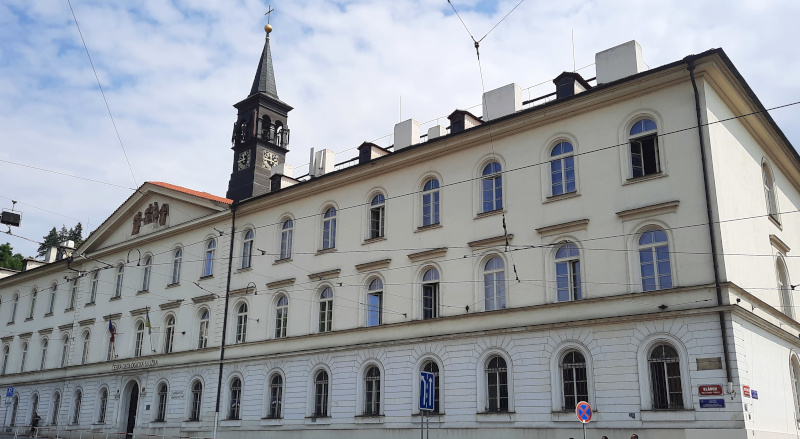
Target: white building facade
[(533, 257)]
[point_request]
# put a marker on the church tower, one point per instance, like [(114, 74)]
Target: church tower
[(260, 134)]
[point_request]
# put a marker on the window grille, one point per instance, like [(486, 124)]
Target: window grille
[(197, 401), (665, 378), (497, 385), (275, 397), (321, 394), (372, 387), (574, 380)]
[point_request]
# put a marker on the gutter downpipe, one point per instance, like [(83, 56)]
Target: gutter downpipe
[(225, 320), (712, 236)]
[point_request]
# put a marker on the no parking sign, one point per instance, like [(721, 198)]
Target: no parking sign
[(584, 412)]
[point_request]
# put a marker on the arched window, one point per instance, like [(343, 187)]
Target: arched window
[(76, 408), (494, 284), (197, 401), (654, 260), (34, 405), (33, 303), (329, 229), (169, 334), (574, 380), (120, 278), (431, 367), (236, 399), (562, 169), (24, 356), (430, 294), (568, 272), (643, 138), (372, 391), (5, 359), (103, 406), (148, 267), (14, 302), (139, 341), (161, 408), (287, 229), (769, 192), (375, 302), (56, 408), (377, 216), (73, 294), (795, 376), (321, 394), (14, 410), (430, 202), (202, 340), (208, 260), (784, 289), (177, 261), (247, 248), (95, 281), (326, 310), (492, 187), (64, 350), (85, 353), (275, 396), (52, 304), (43, 359), (496, 385), (281, 316), (665, 378), (241, 323)]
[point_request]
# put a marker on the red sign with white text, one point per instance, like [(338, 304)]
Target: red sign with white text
[(746, 391), (714, 389)]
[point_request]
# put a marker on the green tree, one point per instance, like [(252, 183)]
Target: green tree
[(8, 259), (55, 238), (52, 239)]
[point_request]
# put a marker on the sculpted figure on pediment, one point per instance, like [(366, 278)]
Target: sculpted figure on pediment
[(137, 223), (162, 214)]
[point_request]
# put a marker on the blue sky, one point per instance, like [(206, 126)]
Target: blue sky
[(172, 70)]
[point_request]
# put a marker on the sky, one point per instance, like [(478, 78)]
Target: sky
[(172, 69)]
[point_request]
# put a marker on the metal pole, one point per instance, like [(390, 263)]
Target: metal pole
[(421, 422), (428, 428), (225, 319), (584, 430)]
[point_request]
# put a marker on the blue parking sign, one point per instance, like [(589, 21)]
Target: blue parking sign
[(427, 391), (10, 392)]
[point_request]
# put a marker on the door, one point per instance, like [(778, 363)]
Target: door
[(133, 404)]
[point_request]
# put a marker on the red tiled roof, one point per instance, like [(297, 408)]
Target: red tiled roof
[(205, 195)]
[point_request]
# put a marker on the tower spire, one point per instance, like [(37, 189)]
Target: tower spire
[(264, 82)]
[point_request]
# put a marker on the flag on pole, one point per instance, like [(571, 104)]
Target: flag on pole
[(112, 330), (147, 322)]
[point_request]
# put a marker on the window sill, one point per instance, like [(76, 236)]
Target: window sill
[(496, 416), (250, 268), (271, 421), (775, 221), (372, 240), (230, 423), (326, 250), (428, 415), (50, 314), (158, 424), (29, 319), (173, 285), (191, 426), (140, 292), (668, 415), (10, 323), (369, 419), (490, 213), (88, 304), (115, 298), (319, 420), (644, 178), (428, 227), (208, 276), (554, 198), (282, 261)]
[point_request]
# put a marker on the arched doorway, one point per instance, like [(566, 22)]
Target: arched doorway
[(132, 397)]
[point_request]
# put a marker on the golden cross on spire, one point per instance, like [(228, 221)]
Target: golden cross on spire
[(269, 12)]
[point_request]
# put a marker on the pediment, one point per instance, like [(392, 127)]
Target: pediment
[(153, 208)]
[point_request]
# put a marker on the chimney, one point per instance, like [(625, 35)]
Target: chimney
[(368, 151), (437, 131), (619, 62), (569, 84), (502, 102), (321, 162), (51, 255), (461, 120), (406, 133), (281, 177)]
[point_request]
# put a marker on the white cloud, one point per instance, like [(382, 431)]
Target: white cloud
[(172, 70)]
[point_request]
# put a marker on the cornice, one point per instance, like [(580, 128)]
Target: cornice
[(140, 311), (491, 242), (779, 244), (66, 327), (647, 211), (374, 265), (204, 298), (280, 283), (45, 331), (115, 316), (556, 229), (172, 304), (86, 322), (322, 275), (428, 254)]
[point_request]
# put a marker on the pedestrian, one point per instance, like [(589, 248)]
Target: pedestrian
[(604, 437), (35, 424), (634, 436)]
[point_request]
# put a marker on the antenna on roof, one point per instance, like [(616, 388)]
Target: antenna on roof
[(573, 51)]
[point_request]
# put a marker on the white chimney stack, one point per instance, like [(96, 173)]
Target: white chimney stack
[(406, 133), (321, 162), (437, 131), (619, 62), (502, 102)]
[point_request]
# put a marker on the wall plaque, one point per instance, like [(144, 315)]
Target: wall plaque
[(712, 363), (710, 389), (135, 365)]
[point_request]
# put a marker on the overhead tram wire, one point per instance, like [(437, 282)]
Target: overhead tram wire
[(102, 93)]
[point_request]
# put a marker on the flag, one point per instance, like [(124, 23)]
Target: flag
[(112, 330), (147, 322)]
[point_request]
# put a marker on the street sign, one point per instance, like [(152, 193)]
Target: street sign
[(710, 389), (583, 412), (10, 392), (754, 393), (712, 403), (746, 391), (427, 391)]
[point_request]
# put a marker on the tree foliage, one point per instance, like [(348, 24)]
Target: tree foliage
[(8, 259), (57, 237)]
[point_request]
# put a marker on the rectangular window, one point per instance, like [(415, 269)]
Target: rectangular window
[(325, 315), (430, 301), (644, 156), (430, 208), (286, 244), (376, 222), (374, 309), (568, 280)]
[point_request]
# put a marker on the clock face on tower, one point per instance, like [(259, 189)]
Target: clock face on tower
[(270, 159), (244, 160)]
